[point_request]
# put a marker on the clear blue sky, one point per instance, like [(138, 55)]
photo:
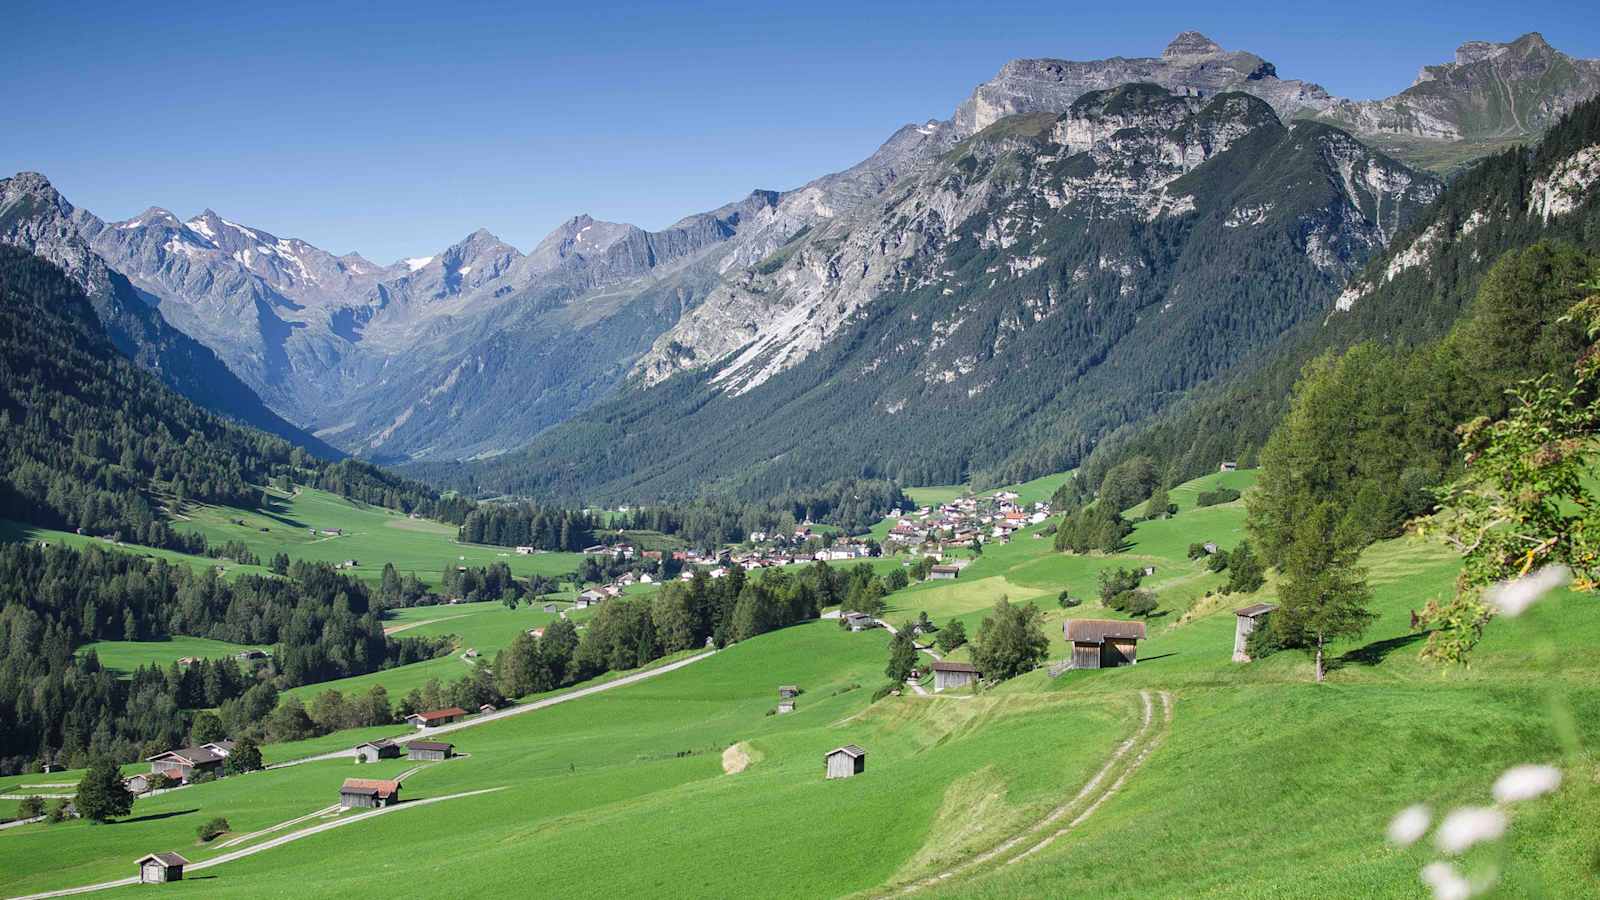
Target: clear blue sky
[(395, 129)]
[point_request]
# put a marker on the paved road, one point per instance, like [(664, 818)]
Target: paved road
[(265, 845), (427, 733)]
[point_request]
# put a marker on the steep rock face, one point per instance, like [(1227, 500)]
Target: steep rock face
[(1113, 154), (1191, 64), (35, 217), (1044, 282), (1488, 92)]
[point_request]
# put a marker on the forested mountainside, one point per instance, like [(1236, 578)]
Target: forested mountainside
[(89, 440), (1411, 295), (1051, 279), (34, 216)]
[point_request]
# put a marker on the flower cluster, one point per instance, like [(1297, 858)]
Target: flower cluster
[(1468, 826)]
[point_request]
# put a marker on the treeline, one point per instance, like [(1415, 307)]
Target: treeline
[(90, 441), (528, 525), (53, 600), (626, 634), (852, 504)]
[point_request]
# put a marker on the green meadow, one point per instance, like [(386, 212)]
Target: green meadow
[(370, 535), (125, 656), (1263, 785)]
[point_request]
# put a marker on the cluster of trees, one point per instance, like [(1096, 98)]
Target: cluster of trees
[(55, 599), (1011, 641), (1098, 526), (491, 582), (1217, 496), (1119, 590), (528, 525)]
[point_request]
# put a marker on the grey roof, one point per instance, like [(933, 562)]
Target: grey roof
[(942, 666), (1250, 612), (850, 749), (195, 756), (380, 744), (429, 745), (166, 858), (1095, 631)]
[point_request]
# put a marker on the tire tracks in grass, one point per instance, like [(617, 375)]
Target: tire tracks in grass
[(1124, 761)]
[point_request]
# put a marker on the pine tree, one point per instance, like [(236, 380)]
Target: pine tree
[(1323, 596), (101, 794)]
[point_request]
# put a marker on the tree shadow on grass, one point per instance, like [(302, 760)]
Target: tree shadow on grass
[(157, 816), (1376, 652)]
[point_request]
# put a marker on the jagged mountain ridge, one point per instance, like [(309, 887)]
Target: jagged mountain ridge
[(1048, 280), (34, 216)]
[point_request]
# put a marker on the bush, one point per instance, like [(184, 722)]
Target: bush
[(58, 812), (1218, 561), (212, 828), (884, 691), (953, 635), (1066, 600), (1117, 581), (30, 808), (1197, 550), (1263, 642)]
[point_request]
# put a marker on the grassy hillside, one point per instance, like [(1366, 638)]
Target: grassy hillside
[(371, 536), (1263, 785)]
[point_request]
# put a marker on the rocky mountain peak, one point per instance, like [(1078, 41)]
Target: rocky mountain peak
[(1191, 43)]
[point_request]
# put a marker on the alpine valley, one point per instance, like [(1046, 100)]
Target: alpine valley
[(987, 296)]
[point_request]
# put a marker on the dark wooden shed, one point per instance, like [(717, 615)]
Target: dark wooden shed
[(1246, 621), (788, 691), (160, 868), (1103, 643), (426, 750)]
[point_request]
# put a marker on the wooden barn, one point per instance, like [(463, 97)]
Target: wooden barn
[(183, 765), (368, 793), (785, 706), (1245, 621), (788, 691), (944, 573), (372, 751), (426, 750), (1103, 643), (859, 621), (846, 761), (953, 675), (160, 868), (435, 717)]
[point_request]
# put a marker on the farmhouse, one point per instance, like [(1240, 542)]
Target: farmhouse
[(1228, 466), (436, 717), (368, 793), (250, 655), (183, 765), (1103, 643), (372, 751), (1247, 620), (859, 621), (160, 868), (590, 597), (427, 750), (953, 675), (524, 551), (944, 573), (846, 761)]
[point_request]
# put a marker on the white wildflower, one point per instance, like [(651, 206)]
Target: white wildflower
[(1446, 882), (1469, 825), (1409, 825), (1525, 783), (1512, 598)]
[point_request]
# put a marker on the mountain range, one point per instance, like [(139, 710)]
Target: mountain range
[(1026, 257)]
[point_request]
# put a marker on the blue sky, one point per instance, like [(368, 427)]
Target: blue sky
[(396, 129)]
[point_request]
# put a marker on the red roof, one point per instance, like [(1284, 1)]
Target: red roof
[(454, 712), (372, 786)]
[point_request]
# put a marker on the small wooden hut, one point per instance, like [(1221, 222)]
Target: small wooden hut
[(953, 675), (429, 750), (160, 868), (1103, 643), (368, 793), (846, 761), (788, 691), (1246, 621), (372, 751)]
